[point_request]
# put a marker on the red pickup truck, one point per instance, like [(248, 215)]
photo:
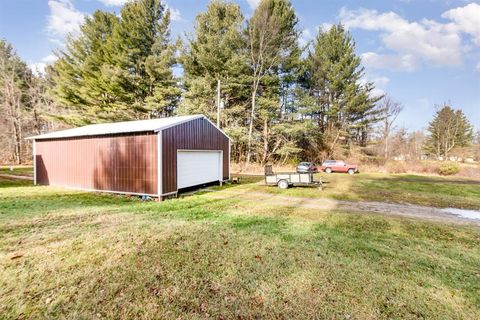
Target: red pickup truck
[(330, 166)]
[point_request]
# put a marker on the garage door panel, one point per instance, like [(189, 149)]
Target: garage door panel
[(198, 167)]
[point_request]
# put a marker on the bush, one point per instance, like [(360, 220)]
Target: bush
[(396, 167), (448, 169)]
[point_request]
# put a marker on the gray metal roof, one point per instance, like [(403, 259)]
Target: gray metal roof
[(119, 127)]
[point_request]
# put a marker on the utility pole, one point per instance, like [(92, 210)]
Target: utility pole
[(218, 103)]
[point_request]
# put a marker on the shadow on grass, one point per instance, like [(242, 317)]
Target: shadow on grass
[(12, 183), (430, 179), (26, 204)]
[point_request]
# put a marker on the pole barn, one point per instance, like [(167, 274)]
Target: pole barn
[(155, 157)]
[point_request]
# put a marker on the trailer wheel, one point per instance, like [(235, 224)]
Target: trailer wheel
[(283, 184), (328, 170)]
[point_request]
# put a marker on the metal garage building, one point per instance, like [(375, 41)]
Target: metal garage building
[(148, 157)]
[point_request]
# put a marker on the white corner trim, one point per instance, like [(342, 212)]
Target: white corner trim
[(194, 117), (221, 165), (213, 124), (159, 164), (229, 148), (34, 153)]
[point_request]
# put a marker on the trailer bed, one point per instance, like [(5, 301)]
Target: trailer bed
[(287, 179)]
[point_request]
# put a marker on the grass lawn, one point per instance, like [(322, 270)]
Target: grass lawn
[(432, 191), (17, 170), (68, 254)]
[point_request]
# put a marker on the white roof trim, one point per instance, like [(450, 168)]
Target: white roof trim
[(223, 132), (154, 125)]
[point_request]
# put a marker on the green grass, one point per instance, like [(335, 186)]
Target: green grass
[(17, 170), (432, 191), (87, 255)]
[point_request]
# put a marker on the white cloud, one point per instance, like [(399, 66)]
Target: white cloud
[(380, 82), (253, 3), (113, 3), (400, 62), (305, 37), (466, 19), (324, 27), (51, 58), (175, 14), (38, 68), (477, 67), (411, 42), (63, 18)]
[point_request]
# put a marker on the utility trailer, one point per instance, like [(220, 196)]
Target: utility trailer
[(284, 180)]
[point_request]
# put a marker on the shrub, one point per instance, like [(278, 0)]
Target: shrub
[(396, 167), (448, 169)]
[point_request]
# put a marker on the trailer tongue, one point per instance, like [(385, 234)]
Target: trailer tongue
[(284, 180)]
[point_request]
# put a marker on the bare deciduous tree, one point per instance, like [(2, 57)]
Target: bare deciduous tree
[(271, 36), (391, 110), (12, 81)]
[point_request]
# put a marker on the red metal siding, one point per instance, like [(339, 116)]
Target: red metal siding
[(197, 134), (121, 163)]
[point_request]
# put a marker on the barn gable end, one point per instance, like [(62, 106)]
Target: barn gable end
[(198, 134)]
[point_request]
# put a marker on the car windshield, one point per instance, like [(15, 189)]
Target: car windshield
[(304, 164)]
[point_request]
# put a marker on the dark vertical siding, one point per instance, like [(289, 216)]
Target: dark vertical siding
[(122, 163), (197, 134)]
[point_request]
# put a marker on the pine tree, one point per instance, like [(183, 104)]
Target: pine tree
[(119, 68), (272, 42), (335, 96), (140, 60), (449, 129), (216, 52), (78, 77)]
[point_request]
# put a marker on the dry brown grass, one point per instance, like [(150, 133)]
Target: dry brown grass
[(257, 169), (467, 170)]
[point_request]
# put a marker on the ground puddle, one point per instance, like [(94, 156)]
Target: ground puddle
[(468, 214)]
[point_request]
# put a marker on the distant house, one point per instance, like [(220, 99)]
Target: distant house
[(155, 157)]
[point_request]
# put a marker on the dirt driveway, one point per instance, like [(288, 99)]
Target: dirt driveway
[(386, 208), (11, 176)]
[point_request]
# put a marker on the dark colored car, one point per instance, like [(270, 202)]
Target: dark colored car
[(306, 167), (330, 166)]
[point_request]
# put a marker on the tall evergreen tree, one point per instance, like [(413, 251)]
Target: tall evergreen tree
[(335, 96), (216, 52), (141, 58), (119, 68), (272, 42), (449, 129), (80, 82)]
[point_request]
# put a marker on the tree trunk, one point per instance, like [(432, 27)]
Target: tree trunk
[(250, 129), (265, 141), (18, 141), (386, 148)]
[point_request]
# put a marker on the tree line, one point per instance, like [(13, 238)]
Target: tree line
[(280, 101)]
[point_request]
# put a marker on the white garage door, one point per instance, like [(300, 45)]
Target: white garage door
[(198, 167)]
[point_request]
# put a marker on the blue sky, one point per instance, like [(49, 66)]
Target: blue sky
[(421, 52)]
